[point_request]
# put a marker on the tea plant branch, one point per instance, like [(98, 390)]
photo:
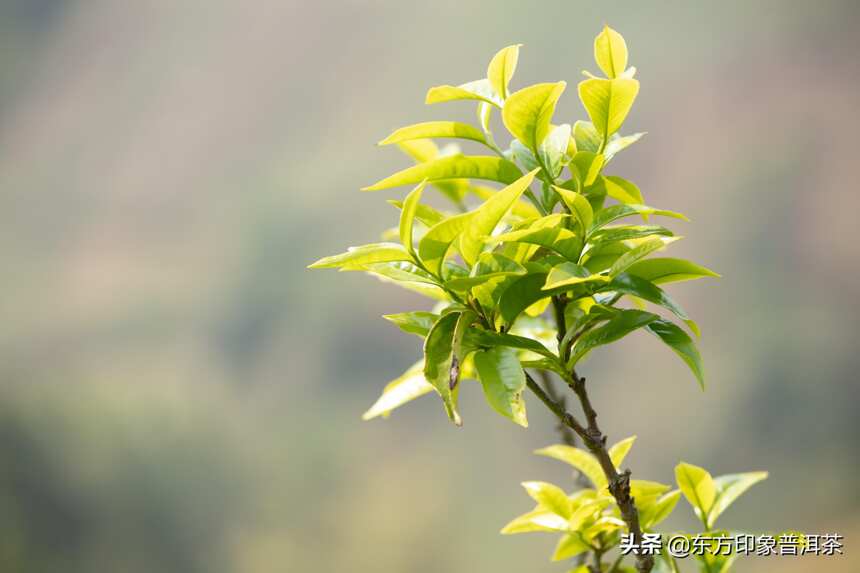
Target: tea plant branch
[(567, 435), (595, 441), (487, 266)]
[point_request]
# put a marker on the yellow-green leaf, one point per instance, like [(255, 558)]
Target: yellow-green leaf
[(439, 362), (487, 216), (435, 244), (538, 520), (431, 129), (416, 322), (480, 90), (553, 148), (668, 270), (583, 461), (420, 150), (502, 68), (527, 113), (547, 232), (569, 273), (569, 546), (407, 216), (640, 251), (549, 497), (619, 450), (729, 488), (355, 258), (586, 137), (618, 143), (661, 509), (610, 52), (453, 167), (399, 391), (615, 212), (608, 102), (522, 209), (588, 165), (622, 190), (698, 487), (578, 206)]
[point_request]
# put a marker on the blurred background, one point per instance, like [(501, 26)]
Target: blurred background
[(179, 394)]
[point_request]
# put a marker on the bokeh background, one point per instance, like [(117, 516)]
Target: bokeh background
[(179, 394)]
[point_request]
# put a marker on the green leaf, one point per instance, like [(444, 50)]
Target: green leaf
[(502, 68), (619, 143), (578, 205), (480, 90), (487, 216), (569, 546), (549, 497), (668, 270), (489, 266), (431, 129), (681, 343), (439, 367), (582, 461), (552, 149), (608, 102), (615, 212), (477, 338), (619, 451), (698, 487), (627, 232), (619, 326), (638, 252), (399, 391), (417, 322), (521, 294), (622, 190), (527, 113), (452, 167), (503, 380), (538, 520), (586, 137), (610, 52), (568, 273), (436, 243), (602, 256), (407, 216), (637, 286), (729, 488), (355, 258)]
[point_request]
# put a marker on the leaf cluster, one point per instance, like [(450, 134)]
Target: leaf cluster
[(588, 521), (561, 228)]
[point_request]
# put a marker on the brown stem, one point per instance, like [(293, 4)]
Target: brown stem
[(595, 441)]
